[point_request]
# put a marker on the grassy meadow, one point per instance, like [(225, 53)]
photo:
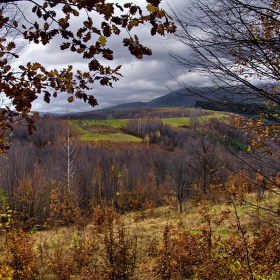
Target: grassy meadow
[(142, 236), (87, 132), (110, 123), (187, 121), (90, 135), (113, 137)]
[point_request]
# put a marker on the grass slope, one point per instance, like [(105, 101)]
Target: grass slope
[(111, 123), (186, 121), (91, 130), (87, 132)]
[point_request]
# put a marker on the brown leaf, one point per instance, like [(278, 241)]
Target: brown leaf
[(154, 2), (154, 30), (92, 101), (63, 23), (70, 99), (65, 46), (10, 46), (133, 10), (108, 54), (116, 20), (160, 29), (44, 37), (94, 65), (161, 13), (120, 7), (87, 37), (46, 26), (47, 96), (106, 29)]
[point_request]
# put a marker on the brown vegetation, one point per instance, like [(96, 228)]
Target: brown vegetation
[(138, 213)]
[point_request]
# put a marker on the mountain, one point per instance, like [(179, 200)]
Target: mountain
[(188, 98), (179, 98), (232, 99), (128, 105)]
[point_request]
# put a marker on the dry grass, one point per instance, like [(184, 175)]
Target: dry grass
[(149, 224), (75, 243)]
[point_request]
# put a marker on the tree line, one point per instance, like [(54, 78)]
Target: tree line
[(137, 113)]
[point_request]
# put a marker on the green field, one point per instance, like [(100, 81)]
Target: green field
[(86, 131), (109, 123), (114, 137), (86, 135), (186, 121)]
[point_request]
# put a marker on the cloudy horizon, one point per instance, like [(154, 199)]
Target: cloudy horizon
[(143, 80)]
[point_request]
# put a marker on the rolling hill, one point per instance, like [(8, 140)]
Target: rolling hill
[(179, 98), (188, 98), (219, 99)]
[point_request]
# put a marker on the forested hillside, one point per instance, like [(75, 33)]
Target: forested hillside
[(139, 112), (58, 180), (98, 174)]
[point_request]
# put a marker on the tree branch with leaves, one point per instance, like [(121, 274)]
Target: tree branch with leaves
[(23, 85), (236, 45)]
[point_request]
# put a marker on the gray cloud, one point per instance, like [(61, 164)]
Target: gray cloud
[(143, 79)]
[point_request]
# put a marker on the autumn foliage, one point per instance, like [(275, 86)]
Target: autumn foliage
[(136, 213), (196, 202), (23, 84)]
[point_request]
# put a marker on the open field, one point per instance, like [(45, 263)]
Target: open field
[(111, 130), (187, 121), (103, 131), (108, 123), (115, 137)]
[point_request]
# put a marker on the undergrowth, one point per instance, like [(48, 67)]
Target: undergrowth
[(209, 241)]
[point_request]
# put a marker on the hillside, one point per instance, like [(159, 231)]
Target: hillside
[(178, 200), (219, 99), (189, 97), (180, 98)]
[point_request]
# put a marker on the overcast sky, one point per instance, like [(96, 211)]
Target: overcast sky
[(143, 80)]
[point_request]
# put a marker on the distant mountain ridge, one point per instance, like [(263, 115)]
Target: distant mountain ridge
[(234, 99), (188, 98), (179, 98)]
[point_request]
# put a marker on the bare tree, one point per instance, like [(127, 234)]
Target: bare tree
[(14, 11), (236, 44), (181, 178), (204, 164), (69, 145)]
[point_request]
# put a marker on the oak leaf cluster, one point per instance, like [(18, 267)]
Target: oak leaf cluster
[(22, 86)]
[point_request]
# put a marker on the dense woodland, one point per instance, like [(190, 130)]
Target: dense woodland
[(58, 182), (182, 163)]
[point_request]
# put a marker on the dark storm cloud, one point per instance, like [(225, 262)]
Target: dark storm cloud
[(143, 80)]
